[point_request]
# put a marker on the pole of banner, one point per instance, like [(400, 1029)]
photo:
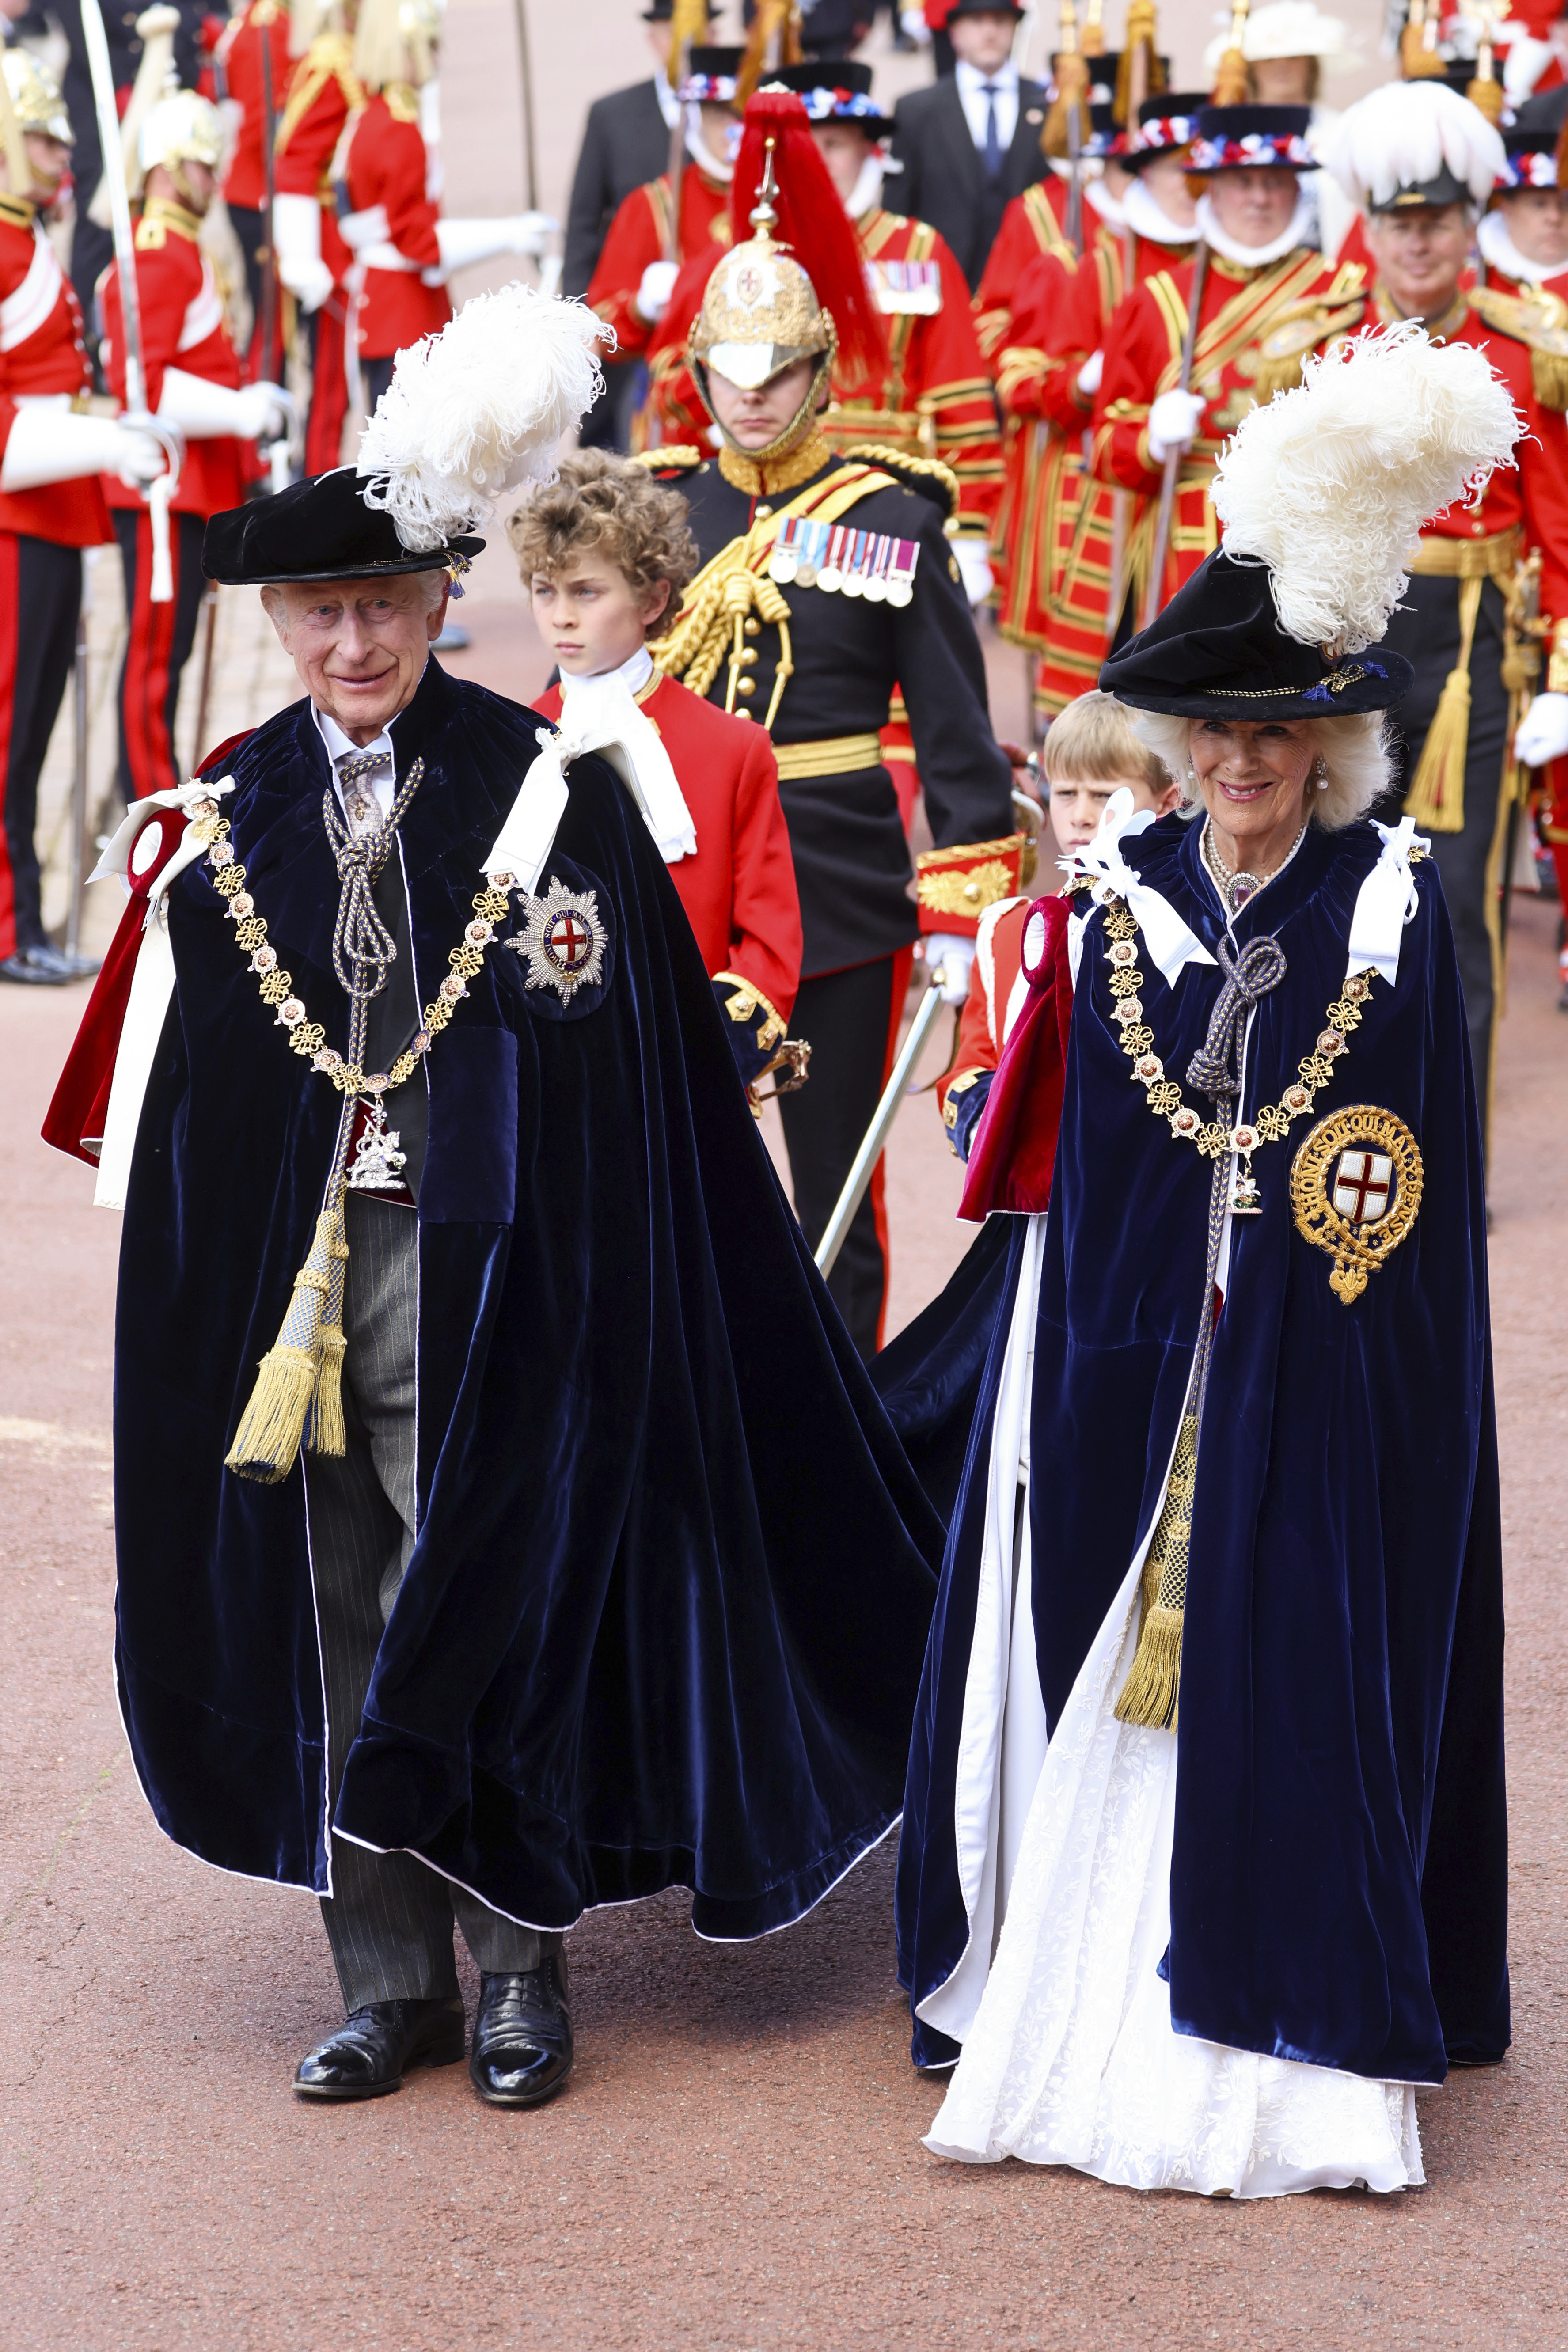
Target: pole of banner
[(877, 1134), (162, 490), (79, 767), (529, 134), (1121, 501), (271, 359), (1155, 593)]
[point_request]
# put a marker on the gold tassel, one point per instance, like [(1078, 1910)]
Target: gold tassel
[(1548, 374), (1140, 34), (1418, 57), (328, 1434), (1148, 1695), (1486, 94), (1072, 91), (1436, 795), (1093, 42), (1230, 83), (273, 1422)]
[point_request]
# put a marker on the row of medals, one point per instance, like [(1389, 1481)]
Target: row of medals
[(874, 577)]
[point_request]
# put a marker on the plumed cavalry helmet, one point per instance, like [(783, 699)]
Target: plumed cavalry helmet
[(180, 129), (761, 312), (35, 100), (1414, 143)]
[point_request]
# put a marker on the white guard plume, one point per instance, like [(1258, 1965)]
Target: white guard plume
[(1329, 485), (475, 410), (1404, 133)]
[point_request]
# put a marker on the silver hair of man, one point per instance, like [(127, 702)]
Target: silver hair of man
[(1355, 752)]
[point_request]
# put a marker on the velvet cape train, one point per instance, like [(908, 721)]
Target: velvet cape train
[(1339, 1881), (664, 1620)]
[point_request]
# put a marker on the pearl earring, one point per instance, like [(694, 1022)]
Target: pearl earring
[(1322, 776), (1192, 773)]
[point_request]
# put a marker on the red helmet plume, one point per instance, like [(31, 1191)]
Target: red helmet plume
[(812, 222)]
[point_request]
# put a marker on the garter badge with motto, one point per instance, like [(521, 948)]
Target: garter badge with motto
[(563, 941)]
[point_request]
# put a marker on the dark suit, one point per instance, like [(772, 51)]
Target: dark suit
[(625, 142), (943, 177)]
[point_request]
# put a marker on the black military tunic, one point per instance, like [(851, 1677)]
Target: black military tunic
[(851, 858)]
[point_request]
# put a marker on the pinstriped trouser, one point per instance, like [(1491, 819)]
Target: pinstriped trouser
[(389, 1920)]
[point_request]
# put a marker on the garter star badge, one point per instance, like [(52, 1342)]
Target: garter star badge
[(563, 941), (1355, 1188)]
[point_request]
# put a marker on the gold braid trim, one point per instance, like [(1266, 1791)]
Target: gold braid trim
[(328, 58), (931, 469), (748, 1000), (684, 454)]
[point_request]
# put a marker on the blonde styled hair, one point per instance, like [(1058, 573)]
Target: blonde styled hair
[(606, 506), (1094, 741), (1355, 752)]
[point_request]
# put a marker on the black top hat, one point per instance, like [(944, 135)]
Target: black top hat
[(319, 528), (1545, 112), (1239, 137), (1217, 650), (984, 8), (836, 90)]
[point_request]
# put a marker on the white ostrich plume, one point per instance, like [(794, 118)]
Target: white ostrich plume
[(477, 409), (1329, 485), (1403, 134)]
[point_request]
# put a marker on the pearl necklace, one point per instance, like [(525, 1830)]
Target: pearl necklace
[(1237, 888)]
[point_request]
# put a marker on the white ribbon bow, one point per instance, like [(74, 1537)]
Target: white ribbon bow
[(117, 851), (600, 714), (1386, 902), (1171, 944)]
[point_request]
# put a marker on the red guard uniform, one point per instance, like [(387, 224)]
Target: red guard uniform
[(390, 228), (639, 235), (322, 94), (263, 25), (1062, 599), (182, 327), (42, 534), (1255, 327), (990, 1009), (739, 890)]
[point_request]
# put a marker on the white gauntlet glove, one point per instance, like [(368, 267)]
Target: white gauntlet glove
[(948, 959), (297, 234), (973, 568), (51, 444), (653, 294), (1089, 374), (1172, 422), (203, 411), (1542, 733)]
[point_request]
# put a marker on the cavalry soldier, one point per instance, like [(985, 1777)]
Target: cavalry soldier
[(1070, 534), (631, 283), (252, 49), (192, 383), (404, 251), (313, 262), (1489, 591), (829, 578), (1267, 298), (442, 1616), (51, 498)]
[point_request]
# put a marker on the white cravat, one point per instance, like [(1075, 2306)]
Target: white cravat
[(636, 674), (975, 102), (1145, 218), (1099, 196), (668, 104)]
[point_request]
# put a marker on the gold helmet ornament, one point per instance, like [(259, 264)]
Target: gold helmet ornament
[(761, 310), (183, 128), (35, 100)]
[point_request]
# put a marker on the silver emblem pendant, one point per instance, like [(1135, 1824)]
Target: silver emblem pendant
[(563, 941), (377, 1159)]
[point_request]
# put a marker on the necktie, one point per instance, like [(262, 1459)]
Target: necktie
[(361, 806), (992, 151)]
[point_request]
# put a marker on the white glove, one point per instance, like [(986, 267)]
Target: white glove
[(203, 410), (465, 241), (653, 295), (948, 959), (1542, 733), (973, 568), (296, 234), (51, 444), (912, 21), (1526, 61), (1172, 422), (1089, 374)]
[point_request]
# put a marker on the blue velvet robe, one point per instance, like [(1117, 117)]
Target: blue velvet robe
[(1338, 1886), (664, 1620)]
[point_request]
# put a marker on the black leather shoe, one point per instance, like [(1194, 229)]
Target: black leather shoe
[(34, 968), (66, 962), (522, 2036), (373, 2049)]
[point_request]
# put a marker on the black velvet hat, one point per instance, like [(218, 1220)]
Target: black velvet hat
[(836, 90), (319, 528), (1217, 650)]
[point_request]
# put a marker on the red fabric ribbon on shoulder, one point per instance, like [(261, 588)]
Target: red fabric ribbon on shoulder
[(1015, 1148)]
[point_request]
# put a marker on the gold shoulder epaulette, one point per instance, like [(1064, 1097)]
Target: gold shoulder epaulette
[(1538, 320), (1297, 330), (680, 455), (18, 211), (925, 472)]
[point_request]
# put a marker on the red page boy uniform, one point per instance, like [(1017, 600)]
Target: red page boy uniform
[(193, 382), (739, 888)]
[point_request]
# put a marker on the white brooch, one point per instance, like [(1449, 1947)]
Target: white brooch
[(563, 941)]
